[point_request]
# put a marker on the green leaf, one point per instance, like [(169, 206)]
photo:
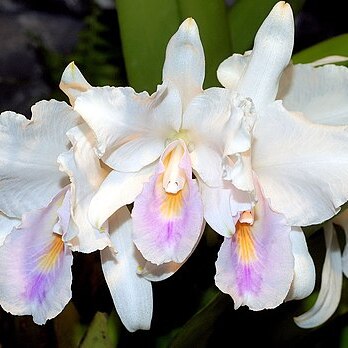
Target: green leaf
[(145, 29), (68, 328), (197, 330), (211, 18), (97, 333), (245, 18), (335, 46)]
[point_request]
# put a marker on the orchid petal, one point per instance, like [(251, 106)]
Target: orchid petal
[(222, 207), (184, 64), (73, 83), (6, 226), (302, 166), (319, 93), (271, 54), (38, 280), (29, 149), (131, 128), (131, 293), (167, 224), (118, 189), (156, 273), (238, 170), (342, 220), (232, 69), (244, 260), (304, 271), (86, 174), (331, 284)]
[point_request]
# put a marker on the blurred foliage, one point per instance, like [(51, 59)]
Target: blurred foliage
[(335, 46), (97, 54)]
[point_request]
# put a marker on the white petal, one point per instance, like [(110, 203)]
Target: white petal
[(117, 190), (222, 207), (184, 64), (302, 166), (73, 83), (331, 285), (131, 128), (6, 226), (86, 175), (131, 293), (271, 54), (29, 172), (232, 69), (342, 220), (304, 269), (319, 93)]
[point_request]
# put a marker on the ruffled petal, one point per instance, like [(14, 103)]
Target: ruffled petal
[(255, 266), (319, 93), (168, 214), (271, 54), (331, 284), (131, 293), (304, 272), (29, 173), (222, 207), (73, 83), (86, 174), (117, 190), (38, 280), (184, 65), (302, 166), (131, 128), (156, 273), (6, 226)]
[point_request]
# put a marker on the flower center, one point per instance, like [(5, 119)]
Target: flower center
[(174, 176)]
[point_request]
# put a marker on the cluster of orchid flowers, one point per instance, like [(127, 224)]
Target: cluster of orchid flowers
[(256, 159)]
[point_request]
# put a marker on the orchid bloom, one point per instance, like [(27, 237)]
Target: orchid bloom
[(156, 143), (322, 103), (291, 167), (44, 219)]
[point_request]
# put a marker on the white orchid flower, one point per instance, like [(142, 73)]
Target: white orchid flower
[(298, 170), (155, 143), (41, 227)]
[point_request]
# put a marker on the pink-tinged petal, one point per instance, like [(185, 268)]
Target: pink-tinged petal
[(304, 270), (131, 128), (86, 175), (270, 55), (331, 284), (255, 266), (6, 226), (29, 173), (222, 206), (131, 293), (168, 214), (156, 273), (72, 82), (302, 166), (117, 190), (38, 280), (319, 93), (184, 65)]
